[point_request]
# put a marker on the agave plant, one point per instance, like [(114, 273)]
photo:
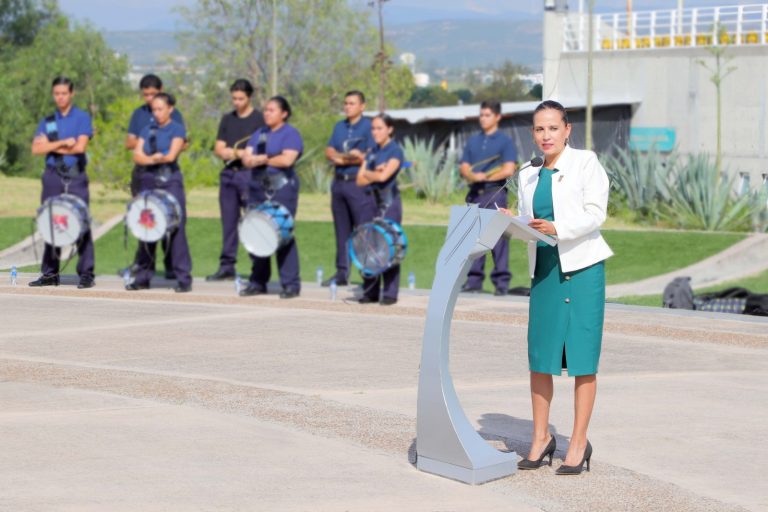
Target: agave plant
[(433, 175), (314, 173), (641, 179), (702, 198)]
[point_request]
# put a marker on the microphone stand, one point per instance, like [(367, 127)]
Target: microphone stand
[(535, 162)]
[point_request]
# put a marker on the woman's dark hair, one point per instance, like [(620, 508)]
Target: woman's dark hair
[(283, 104), (357, 93), (242, 85), (553, 105), (493, 106), (167, 98), (388, 121), (62, 80), (150, 81)]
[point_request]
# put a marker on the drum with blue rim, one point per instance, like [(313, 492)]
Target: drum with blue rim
[(265, 228), (377, 246)]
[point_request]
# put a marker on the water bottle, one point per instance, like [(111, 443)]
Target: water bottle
[(238, 284), (333, 289), (126, 277), (411, 281), (319, 275), (14, 275)]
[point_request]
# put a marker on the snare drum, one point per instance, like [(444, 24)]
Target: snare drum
[(68, 216), (152, 214), (377, 246), (265, 228)]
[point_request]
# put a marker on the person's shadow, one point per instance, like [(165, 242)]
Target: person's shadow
[(515, 433)]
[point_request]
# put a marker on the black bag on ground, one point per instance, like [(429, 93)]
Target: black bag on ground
[(678, 294)]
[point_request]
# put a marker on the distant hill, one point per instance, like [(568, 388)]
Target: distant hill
[(144, 48), (469, 44), (458, 44)]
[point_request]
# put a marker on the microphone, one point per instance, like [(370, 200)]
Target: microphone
[(535, 162)]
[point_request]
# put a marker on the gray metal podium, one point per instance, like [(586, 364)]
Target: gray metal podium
[(446, 442)]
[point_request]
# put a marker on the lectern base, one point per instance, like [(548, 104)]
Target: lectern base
[(470, 476)]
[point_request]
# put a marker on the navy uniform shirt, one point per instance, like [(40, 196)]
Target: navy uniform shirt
[(236, 130), (285, 137), (481, 147), (380, 156), (142, 117), (347, 136), (165, 135), (75, 124)]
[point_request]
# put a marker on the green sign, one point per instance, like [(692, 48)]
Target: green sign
[(642, 139)]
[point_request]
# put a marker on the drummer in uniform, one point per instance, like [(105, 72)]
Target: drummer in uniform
[(157, 151), (489, 159), (63, 137), (272, 153), (379, 171), (350, 141), (150, 86), (235, 128)]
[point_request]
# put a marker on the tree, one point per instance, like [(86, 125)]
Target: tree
[(719, 71), (433, 96), (20, 21), (505, 86)]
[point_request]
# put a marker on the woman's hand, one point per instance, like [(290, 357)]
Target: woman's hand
[(258, 160), (506, 211), (543, 226)]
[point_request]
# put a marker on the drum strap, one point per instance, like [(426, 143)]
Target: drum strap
[(152, 139), (61, 168)]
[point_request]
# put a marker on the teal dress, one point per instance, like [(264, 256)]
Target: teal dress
[(565, 324)]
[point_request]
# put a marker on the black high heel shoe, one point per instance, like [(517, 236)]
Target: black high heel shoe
[(536, 464), (576, 470)]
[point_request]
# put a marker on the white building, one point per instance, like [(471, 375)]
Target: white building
[(654, 60)]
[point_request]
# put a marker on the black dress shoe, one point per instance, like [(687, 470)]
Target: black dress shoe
[(500, 292), (86, 282), (536, 464), (340, 281), (136, 286), (46, 281), (183, 288), (366, 300), (221, 275), (387, 301), (471, 289), (252, 289), (576, 470), (289, 294)]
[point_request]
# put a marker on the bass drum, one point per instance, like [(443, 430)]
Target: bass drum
[(152, 214), (265, 228), (62, 220), (377, 246)]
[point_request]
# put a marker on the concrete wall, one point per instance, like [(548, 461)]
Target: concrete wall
[(674, 90)]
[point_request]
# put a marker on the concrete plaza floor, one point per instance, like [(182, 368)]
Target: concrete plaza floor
[(153, 401)]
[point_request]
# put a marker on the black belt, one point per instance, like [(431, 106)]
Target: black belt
[(67, 171), (345, 177)]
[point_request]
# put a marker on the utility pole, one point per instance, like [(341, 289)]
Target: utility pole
[(273, 80), (381, 58), (590, 54)]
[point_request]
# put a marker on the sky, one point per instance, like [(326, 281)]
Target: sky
[(159, 14)]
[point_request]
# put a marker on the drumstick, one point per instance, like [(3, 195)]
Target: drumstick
[(234, 148)]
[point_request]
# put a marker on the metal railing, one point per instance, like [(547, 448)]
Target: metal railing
[(739, 25)]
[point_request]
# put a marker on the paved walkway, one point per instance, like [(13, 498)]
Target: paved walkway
[(151, 400)]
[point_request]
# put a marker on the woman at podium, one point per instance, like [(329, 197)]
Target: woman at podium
[(567, 198)]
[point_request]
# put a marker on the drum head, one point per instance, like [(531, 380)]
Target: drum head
[(259, 234), (148, 218), (69, 216)]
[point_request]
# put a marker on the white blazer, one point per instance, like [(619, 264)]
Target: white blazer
[(580, 200)]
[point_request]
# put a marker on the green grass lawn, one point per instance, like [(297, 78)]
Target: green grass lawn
[(14, 230), (639, 254), (755, 284)]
